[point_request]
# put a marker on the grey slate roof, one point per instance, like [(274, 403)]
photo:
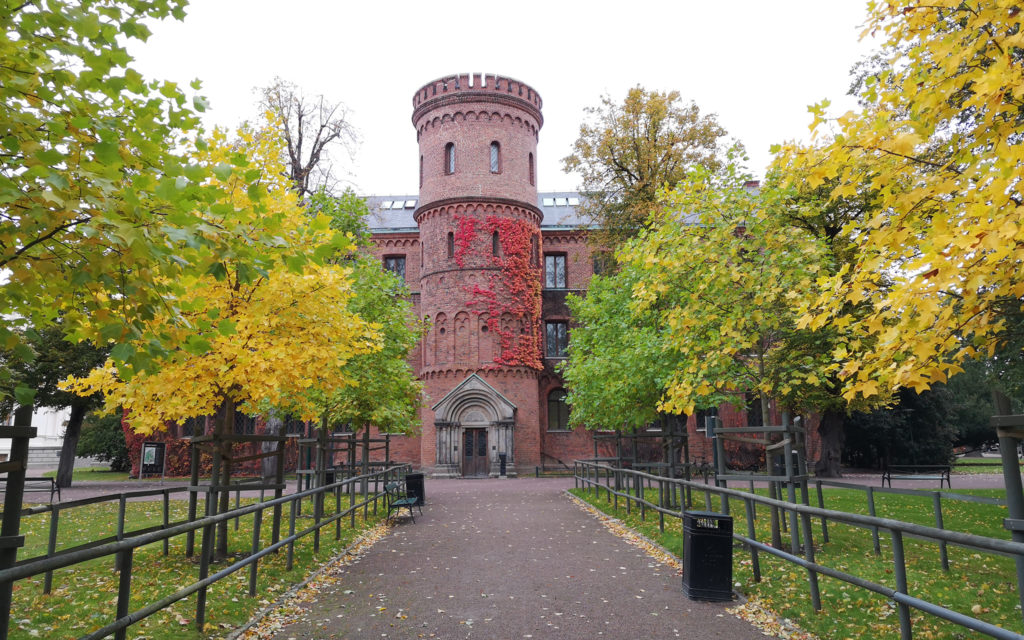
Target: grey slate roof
[(392, 214)]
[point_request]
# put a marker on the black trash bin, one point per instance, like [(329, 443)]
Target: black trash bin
[(414, 487), (707, 556)]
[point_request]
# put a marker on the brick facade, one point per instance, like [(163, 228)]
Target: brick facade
[(478, 140)]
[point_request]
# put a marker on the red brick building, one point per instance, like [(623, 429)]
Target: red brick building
[(489, 262)]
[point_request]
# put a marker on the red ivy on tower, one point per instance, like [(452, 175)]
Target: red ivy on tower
[(512, 298)]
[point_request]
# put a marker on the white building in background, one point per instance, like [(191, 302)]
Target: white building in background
[(44, 449)]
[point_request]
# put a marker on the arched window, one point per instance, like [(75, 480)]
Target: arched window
[(558, 411), (449, 158), (495, 157), (532, 179), (451, 244), (495, 244)]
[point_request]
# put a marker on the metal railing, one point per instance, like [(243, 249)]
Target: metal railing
[(125, 547), (629, 485)]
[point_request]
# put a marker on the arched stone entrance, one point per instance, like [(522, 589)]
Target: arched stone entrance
[(474, 425)]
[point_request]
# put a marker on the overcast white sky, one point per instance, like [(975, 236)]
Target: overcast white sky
[(757, 64)]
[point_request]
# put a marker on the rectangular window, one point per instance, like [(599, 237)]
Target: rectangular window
[(558, 411), (396, 265), (554, 271), (557, 339), (754, 417)]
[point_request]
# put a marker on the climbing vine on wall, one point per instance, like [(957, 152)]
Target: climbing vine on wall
[(513, 289)]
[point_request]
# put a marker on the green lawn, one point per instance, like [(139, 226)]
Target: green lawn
[(976, 582), (84, 596), (93, 474), (977, 466)]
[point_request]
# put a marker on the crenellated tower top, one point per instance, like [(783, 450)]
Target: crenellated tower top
[(469, 87)]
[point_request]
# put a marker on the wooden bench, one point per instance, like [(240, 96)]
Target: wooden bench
[(397, 499), (36, 484), (938, 472)]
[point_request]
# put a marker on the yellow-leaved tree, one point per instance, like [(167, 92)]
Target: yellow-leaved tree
[(939, 144), (249, 337)]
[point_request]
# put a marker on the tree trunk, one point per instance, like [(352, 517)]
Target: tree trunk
[(66, 465), (221, 476), (275, 427), (832, 438)]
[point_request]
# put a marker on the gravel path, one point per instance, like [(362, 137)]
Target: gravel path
[(504, 559)]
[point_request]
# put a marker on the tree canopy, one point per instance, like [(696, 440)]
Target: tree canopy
[(385, 391), (105, 214), (627, 151), (252, 337), (312, 127), (702, 311), (619, 364), (938, 141), (723, 280)]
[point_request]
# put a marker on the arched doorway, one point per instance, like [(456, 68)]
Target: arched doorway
[(474, 425)]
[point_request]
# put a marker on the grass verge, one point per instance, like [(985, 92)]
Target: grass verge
[(977, 584), (84, 596)]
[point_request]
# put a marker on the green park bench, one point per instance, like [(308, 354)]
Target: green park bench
[(36, 484), (398, 499), (938, 472)]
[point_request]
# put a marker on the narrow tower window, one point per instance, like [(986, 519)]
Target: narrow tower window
[(495, 244), (449, 158), (421, 171), (532, 179), (451, 244), (495, 157)]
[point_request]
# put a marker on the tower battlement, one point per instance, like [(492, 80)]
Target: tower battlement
[(475, 86)]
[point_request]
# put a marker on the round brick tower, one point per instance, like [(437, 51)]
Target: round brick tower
[(480, 277)]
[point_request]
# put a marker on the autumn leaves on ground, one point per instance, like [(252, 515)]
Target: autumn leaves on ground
[(884, 255)]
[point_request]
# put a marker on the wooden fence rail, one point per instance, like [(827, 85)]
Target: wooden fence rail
[(628, 485), (123, 549)]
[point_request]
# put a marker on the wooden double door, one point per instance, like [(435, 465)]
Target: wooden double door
[(475, 462)]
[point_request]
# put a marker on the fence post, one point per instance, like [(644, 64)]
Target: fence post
[(755, 562), (167, 519), (821, 505), (661, 505), (51, 547), (204, 571), (275, 530), (899, 567), (351, 502), (124, 589), (812, 575), (337, 509), (641, 497), (122, 506), (318, 511), (9, 530), (193, 500), (256, 526), (874, 529), (943, 553), (291, 533)]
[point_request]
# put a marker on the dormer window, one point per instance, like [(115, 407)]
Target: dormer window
[(449, 158), (495, 157)]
